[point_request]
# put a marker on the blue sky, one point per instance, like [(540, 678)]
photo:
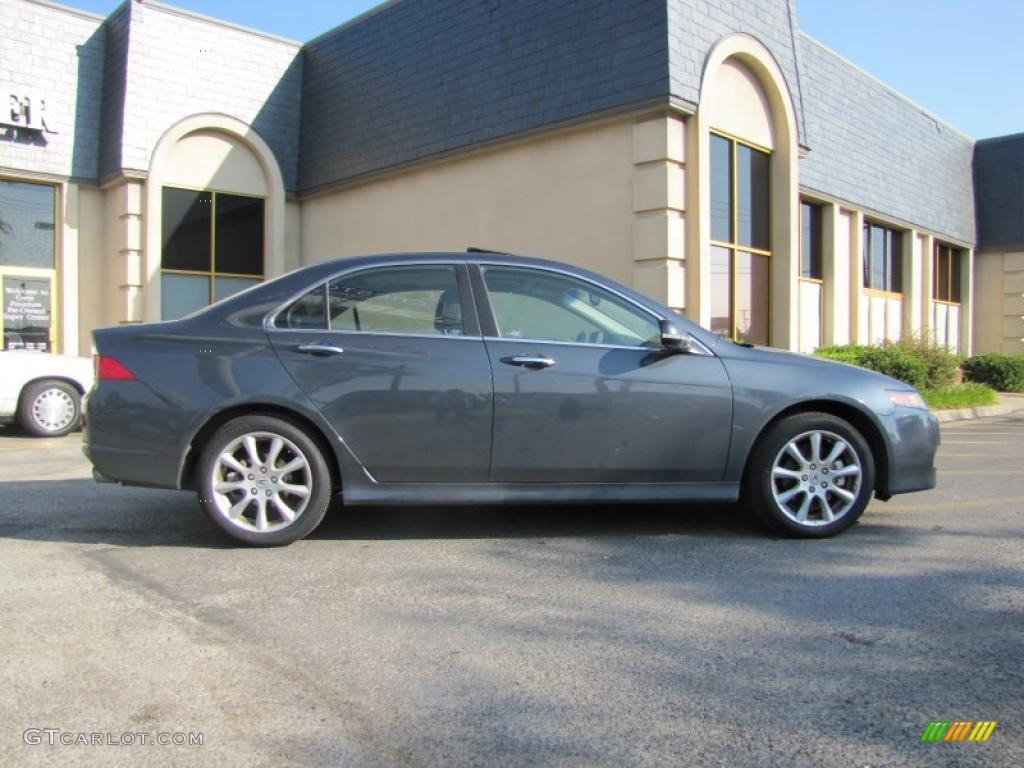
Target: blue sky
[(957, 58)]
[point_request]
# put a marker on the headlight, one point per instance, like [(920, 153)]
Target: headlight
[(906, 398)]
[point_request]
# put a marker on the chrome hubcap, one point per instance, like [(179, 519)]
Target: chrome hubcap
[(53, 409), (816, 478), (261, 482)]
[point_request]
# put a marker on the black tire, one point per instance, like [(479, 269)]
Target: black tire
[(50, 408), (816, 484), (269, 485)]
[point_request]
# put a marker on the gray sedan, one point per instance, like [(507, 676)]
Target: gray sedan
[(486, 378)]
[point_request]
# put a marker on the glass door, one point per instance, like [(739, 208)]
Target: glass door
[(28, 275)]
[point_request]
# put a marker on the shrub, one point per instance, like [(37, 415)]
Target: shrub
[(849, 353), (943, 367), (915, 362), (961, 396), (997, 370)]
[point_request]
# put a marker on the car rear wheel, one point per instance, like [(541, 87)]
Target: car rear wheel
[(810, 476), (50, 408), (264, 481)]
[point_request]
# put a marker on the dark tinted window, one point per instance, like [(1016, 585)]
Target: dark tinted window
[(186, 229), (547, 306), (946, 273), (239, 234), (309, 312), (417, 299), (954, 275), (721, 189), (810, 241), (26, 224), (752, 193)]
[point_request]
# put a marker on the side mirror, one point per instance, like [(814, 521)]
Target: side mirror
[(673, 340)]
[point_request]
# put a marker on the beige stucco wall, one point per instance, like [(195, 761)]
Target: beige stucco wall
[(293, 235), (214, 160), (93, 265), (736, 104), (999, 301), (566, 196)]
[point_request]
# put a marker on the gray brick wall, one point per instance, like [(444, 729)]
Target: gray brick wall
[(873, 148), (178, 65), (424, 76), (58, 55), (694, 26), (999, 191)]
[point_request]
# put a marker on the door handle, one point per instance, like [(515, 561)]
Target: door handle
[(534, 362), (320, 350)]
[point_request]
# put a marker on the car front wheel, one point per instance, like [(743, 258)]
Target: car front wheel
[(811, 476), (50, 408), (263, 481)]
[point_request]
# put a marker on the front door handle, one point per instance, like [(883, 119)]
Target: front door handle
[(320, 350), (534, 362)]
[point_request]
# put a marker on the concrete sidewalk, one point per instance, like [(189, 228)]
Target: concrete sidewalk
[(1008, 403)]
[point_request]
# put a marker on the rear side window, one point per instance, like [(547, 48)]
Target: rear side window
[(307, 313), (414, 299)]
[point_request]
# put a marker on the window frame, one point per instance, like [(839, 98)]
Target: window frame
[(953, 253), (470, 321), (212, 274), (734, 247), (894, 235), (489, 322)]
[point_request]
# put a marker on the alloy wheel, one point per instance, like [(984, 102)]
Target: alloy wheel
[(261, 482), (816, 478)]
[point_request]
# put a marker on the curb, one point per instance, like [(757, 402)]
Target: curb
[(980, 412)]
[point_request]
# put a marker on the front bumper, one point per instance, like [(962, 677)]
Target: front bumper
[(913, 439)]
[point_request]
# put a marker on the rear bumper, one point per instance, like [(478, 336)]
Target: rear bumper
[(132, 467), (913, 440), (131, 436)]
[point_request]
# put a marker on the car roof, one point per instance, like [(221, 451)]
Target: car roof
[(425, 257)]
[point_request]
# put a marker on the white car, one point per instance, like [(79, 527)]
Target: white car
[(43, 392)]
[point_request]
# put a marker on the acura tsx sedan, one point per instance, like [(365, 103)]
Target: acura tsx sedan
[(479, 377)]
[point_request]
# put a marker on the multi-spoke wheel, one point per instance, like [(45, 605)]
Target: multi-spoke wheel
[(811, 475), (50, 408), (264, 481)]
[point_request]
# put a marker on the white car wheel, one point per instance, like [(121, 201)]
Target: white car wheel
[(50, 408)]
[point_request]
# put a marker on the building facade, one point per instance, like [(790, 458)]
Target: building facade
[(712, 156)]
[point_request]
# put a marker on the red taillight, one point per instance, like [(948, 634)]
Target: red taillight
[(111, 369)]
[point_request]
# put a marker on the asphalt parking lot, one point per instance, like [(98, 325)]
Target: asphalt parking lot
[(510, 636)]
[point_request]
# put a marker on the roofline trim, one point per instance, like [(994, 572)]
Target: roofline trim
[(910, 102), (212, 20), (68, 9), (354, 20), (1005, 137)]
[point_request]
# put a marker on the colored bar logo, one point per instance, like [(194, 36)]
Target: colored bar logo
[(958, 730)]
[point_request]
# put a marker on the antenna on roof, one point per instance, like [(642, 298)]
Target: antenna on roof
[(471, 249)]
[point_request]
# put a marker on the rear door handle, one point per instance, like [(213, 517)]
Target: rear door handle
[(535, 362), (320, 350)]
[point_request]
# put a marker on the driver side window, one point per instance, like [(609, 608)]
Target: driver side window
[(540, 305)]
